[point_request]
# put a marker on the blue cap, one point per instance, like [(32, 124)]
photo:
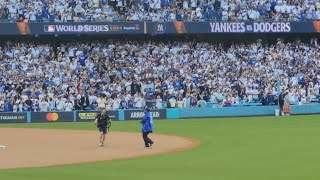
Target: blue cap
[(147, 109)]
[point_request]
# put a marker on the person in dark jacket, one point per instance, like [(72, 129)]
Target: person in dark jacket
[(281, 101), (264, 100), (102, 121), (147, 128), (29, 103), (77, 104), (84, 101)]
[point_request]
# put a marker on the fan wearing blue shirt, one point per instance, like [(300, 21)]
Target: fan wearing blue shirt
[(147, 128)]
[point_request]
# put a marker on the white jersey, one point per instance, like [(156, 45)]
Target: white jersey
[(68, 106)]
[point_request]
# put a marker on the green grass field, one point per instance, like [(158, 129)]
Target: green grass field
[(256, 148)]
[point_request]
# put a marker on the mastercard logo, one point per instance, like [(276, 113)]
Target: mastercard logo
[(52, 116)]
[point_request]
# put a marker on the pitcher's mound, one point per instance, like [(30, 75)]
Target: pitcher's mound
[(47, 147)]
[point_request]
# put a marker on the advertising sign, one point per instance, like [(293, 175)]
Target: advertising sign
[(139, 113), (142, 27), (41, 117), (214, 27), (13, 117), (88, 116)]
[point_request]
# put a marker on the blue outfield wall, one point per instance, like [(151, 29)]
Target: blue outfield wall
[(173, 113), (228, 111), (306, 109), (170, 113), (244, 111)]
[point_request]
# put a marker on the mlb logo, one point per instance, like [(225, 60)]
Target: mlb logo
[(49, 28)]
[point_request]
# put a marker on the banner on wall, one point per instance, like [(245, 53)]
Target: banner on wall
[(141, 27), (214, 27), (88, 116), (42, 117), (139, 113), (24, 28), (13, 117)]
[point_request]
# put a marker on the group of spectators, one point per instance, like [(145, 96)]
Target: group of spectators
[(158, 10), (132, 74)]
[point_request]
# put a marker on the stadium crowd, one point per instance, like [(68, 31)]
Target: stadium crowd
[(158, 10), (131, 74)]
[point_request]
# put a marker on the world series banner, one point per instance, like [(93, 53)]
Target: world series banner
[(89, 116), (13, 117), (139, 113), (24, 28), (42, 117), (142, 27), (180, 27)]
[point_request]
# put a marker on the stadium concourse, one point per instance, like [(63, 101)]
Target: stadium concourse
[(158, 10), (131, 74)]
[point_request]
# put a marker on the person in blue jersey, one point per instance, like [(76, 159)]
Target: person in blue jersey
[(147, 128)]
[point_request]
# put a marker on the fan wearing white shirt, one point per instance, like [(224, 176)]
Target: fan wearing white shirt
[(158, 4), (116, 103), (43, 105), (185, 4), (60, 104), (92, 98), (159, 102), (15, 107), (68, 106), (138, 101), (171, 88), (101, 102)]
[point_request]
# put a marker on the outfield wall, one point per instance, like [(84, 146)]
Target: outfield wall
[(136, 114)]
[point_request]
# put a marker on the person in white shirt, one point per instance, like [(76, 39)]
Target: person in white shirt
[(92, 98), (225, 15), (171, 88), (116, 103), (173, 102), (180, 102), (185, 4), (317, 89), (138, 101), (15, 107), (158, 4), (159, 103), (109, 103), (43, 105), (24, 97), (68, 106), (255, 94), (101, 102), (21, 107), (52, 104), (278, 7), (59, 104)]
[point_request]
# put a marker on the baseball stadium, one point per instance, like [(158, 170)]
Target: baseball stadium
[(159, 89)]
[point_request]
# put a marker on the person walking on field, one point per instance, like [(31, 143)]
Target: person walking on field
[(147, 128), (286, 106), (281, 102), (102, 122)]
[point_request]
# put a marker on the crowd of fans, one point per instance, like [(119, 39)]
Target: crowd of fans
[(158, 10), (130, 74)]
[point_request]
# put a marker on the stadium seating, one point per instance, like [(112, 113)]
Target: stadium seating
[(134, 74)]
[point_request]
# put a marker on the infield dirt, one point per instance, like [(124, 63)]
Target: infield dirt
[(50, 147)]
